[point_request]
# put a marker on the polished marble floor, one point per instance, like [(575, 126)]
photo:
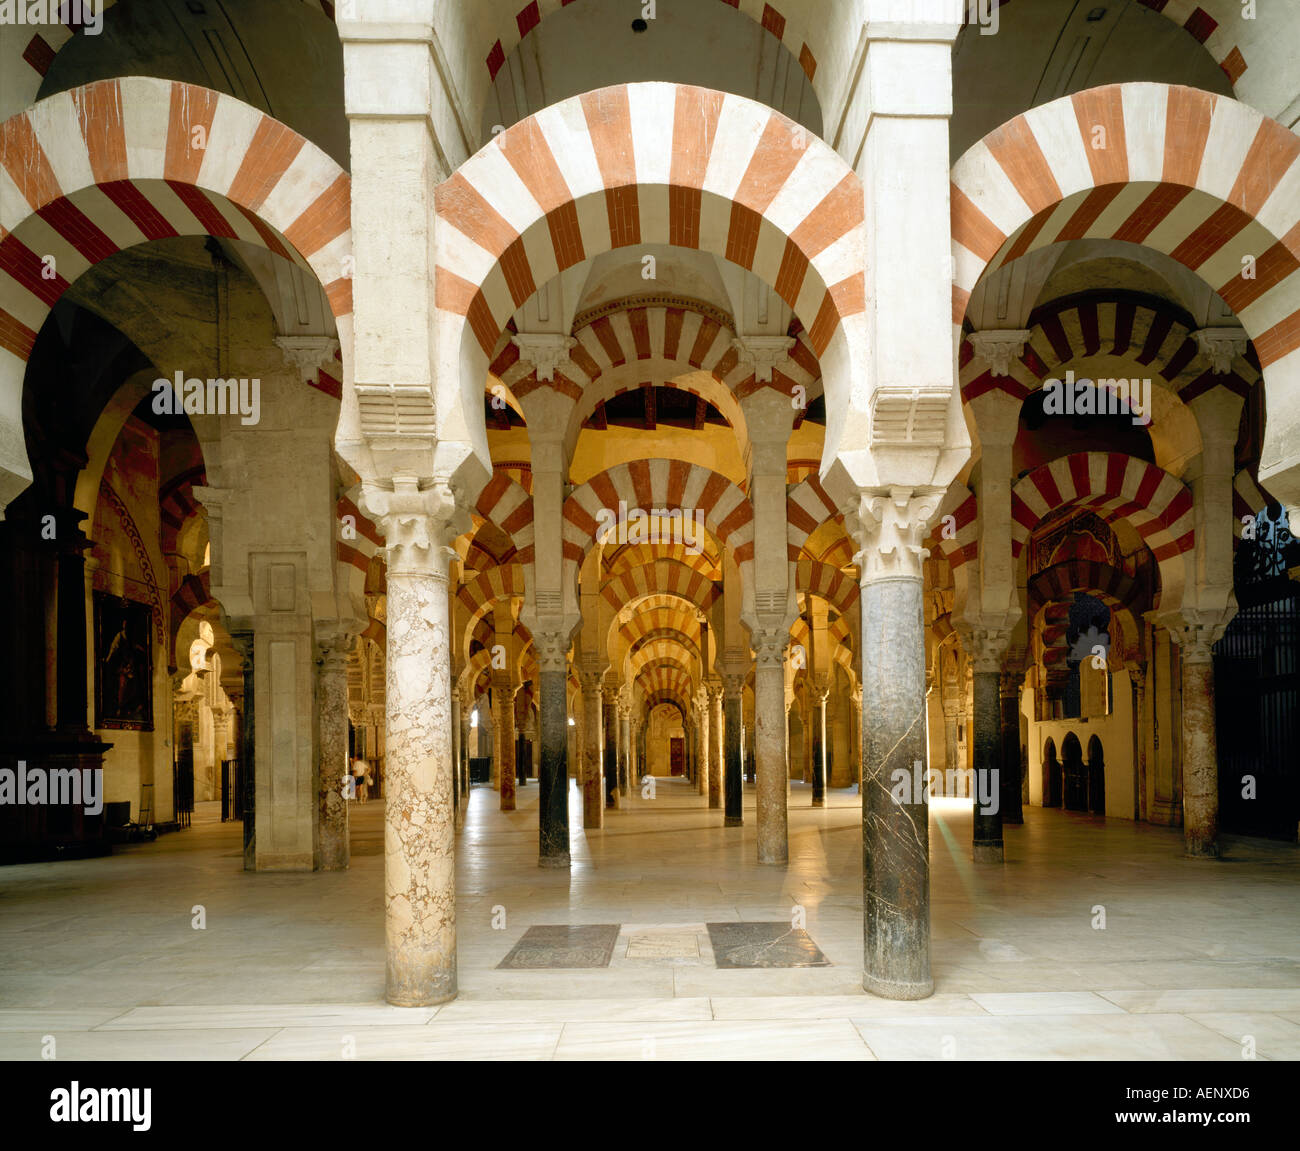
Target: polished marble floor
[(1095, 940)]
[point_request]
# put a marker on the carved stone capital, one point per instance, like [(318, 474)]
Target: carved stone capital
[(308, 354), (733, 684), (1221, 346), (418, 524), (985, 645), (770, 639), (888, 529), (592, 683), (763, 353), (552, 648), (547, 352), (998, 347)]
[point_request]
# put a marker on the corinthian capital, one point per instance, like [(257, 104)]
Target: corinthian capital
[(545, 351), (888, 529), (418, 524), (998, 348)]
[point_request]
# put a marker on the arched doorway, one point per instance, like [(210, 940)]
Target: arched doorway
[(1076, 780), (1096, 777), (1051, 776)]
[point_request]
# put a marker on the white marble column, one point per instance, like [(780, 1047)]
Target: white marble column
[(772, 774), (332, 769), (419, 834)]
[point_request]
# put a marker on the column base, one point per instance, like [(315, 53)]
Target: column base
[(888, 989), (782, 862), (818, 802), (715, 806), (989, 853), (1201, 850), (554, 862), (733, 821), (421, 1001)]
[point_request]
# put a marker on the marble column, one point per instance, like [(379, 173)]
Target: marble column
[(1138, 674), (769, 744), (1009, 696), (951, 759), (817, 717), (609, 714), (419, 833), (987, 720), (625, 768), (855, 718), (243, 643), (553, 777), (457, 759), (702, 774), (717, 758), (467, 702), (1200, 753), (733, 687), (332, 850), (503, 739), (895, 819), (593, 791)]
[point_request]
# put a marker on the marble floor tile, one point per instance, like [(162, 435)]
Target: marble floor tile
[(1046, 1003), (452, 1040), (1267, 1036), (1269, 1000), (193, 1043), (1037, 1037), (748, 1041)]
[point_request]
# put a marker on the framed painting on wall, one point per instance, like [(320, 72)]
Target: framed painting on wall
[(123, 663)]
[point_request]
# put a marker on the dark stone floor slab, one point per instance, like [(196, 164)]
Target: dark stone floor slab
[(552, 946), (764, 945)]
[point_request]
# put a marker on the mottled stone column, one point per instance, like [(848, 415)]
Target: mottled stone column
[(625, 770), (457, 758), (1009, 695), (593, 791), (987, 811), (609, 714), (553, 781), (1139, 676), (717, 759), (817, 718), (332, 769), (702, 775), (769, 744), (503, 738), (1200, 753), (895, 808), (419, 835), (244, 644), (467, 701), (733, 687)]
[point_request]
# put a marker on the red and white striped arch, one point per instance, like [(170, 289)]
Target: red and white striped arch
[(502, 582), (672, 484), (657, 341), (640, 164), (638, 631), (354, 555), (663, 577), (637, 555), (1117, 486), (1148, 334), (834, 586), (1248, 499), (505, 503), (97, 169), (1201, 178), (807, 506), (667, 681)]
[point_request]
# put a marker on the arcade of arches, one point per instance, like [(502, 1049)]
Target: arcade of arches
[(835, 395)]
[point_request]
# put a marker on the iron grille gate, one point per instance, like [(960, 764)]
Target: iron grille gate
[(1257, 692)]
